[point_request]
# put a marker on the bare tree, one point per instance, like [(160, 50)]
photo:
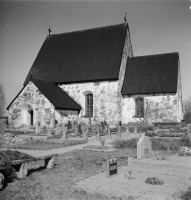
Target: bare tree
[(2, 100), (187, 110)]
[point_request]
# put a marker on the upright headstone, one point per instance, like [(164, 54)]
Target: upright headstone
[(119, 132), (135, 132), (111, 167), (189, 130), (98, 137), (119, 129), (49, 133), (44, 130), (127, 133), (37, 127), (2, 127), (144, 147), (109, 132), (58, 130), (85, 133), (52, 124), (64, 133), (2, 181)]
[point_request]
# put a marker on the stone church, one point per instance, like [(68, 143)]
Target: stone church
[(92, 74)]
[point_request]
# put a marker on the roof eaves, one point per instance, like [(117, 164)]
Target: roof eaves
[(63, 108), (152, 94), (56, 107), (86, 81)]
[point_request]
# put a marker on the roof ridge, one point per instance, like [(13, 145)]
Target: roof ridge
[(155, 54), (102, 27)]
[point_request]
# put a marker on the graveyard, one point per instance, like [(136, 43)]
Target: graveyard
[(100, 162)]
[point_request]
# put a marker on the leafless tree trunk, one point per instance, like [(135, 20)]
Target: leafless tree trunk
[(2, 100)]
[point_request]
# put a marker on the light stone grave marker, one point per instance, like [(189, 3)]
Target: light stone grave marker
[(49, 133), (144, 147), (119, 132), (2, 127), (187, 150), (59, 130), (85, 133), (111, 167), (37, 127), (64, 133), (127, 133)]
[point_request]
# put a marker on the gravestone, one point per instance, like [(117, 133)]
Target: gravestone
[(111, 167), (37, 127), (58, 130), (49, 134), (127, 133), (109, 133), (187, 151), (44, 130), (2, 181), (85, 133), (135, 132), (189, 130), (52, 124), (64, 133), (98, 137), (2, 127), (144, 147), (119, 132)]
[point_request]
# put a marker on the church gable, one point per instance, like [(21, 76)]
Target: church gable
[(29, 107), (38, 101)]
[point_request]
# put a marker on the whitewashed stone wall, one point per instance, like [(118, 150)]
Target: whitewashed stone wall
[(31, 98), (104, 98), (108, 102), (127, 52), (161, 108)]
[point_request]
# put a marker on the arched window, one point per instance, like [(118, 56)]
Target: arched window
[(89, 104), (139, 107)]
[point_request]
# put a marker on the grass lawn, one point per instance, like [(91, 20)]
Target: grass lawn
[(56, 184), (46, 145)]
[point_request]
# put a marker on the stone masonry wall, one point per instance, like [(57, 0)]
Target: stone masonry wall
[(104, 99), (127, 52), (161, 108), (31, 98)]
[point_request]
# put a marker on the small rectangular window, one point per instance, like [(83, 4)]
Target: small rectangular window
[(139, 107), (89, 104)]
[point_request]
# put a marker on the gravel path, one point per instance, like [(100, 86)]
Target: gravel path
[(39, 153)]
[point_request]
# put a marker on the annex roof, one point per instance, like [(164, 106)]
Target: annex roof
[(81, 56), (152, 74), (60, 99)]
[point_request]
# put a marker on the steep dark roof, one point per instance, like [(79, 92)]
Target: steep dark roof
[(153, 74), (55, 95), (81, 56)]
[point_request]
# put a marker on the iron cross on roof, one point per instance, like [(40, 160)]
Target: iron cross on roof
[(49, 30), (125, 18)]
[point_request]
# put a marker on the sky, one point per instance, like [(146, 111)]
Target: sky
[(155, 27)]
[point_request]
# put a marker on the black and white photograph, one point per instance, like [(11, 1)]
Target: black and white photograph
[(95, 100)]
